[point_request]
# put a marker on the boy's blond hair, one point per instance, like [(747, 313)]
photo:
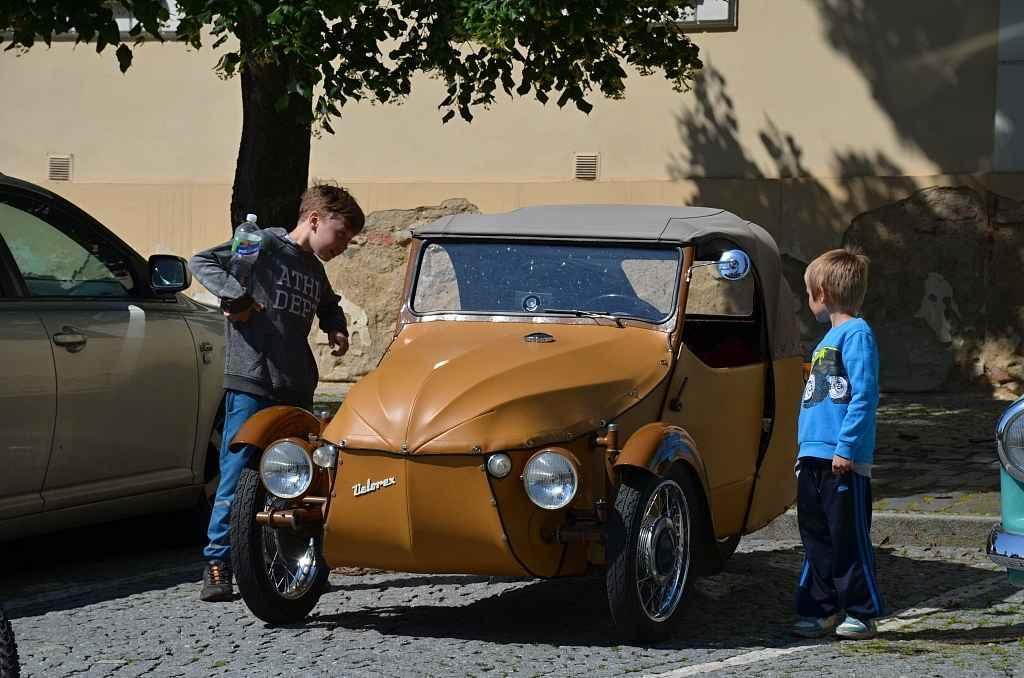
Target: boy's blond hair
[(843, 276)]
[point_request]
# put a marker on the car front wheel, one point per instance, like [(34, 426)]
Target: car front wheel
[(650, 542), (280, 572)]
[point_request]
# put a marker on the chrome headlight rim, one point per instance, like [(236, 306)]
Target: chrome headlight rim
[(326, 456), (573, 467), (499, 465), (305, 457), (1009, 417)]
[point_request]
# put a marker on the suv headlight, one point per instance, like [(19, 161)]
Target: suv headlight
[(286, 469), (1010, 439), (550, 479)]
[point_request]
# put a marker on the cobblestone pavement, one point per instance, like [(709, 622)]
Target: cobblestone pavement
[(132, 617), (937, 453)]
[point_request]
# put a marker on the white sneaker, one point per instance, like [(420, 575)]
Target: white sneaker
[(814, 627), (855, 629)]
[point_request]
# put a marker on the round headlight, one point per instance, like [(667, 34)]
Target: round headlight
[(550, 480), (286, 469), (325, 456), (1011, 440), (499, 465)]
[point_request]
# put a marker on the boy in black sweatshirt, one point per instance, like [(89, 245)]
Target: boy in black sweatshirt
[(267, 356)]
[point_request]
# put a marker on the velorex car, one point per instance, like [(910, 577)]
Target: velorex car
[(1006, 540), (573, 386)]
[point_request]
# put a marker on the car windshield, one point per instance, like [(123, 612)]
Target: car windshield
[(540, 279)]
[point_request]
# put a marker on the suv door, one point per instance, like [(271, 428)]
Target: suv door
[(126, 369), (28, 399)]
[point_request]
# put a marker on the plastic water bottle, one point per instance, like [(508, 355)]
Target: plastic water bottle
[(245, 248)]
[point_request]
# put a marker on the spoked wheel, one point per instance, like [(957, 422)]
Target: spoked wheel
[(280, 572), (8, 650), (651, 550)]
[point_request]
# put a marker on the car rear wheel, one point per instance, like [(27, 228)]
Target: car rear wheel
[(8, 650), (651, 545), (280, 572)]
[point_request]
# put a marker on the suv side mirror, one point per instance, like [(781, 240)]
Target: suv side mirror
[(168, 274)]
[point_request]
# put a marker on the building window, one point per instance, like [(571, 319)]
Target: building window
[(710, 15), (125, 21)]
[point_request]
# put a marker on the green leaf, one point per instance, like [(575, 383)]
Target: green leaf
[(124, 57)]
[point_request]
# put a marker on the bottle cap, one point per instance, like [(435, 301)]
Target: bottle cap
[(251, 218)]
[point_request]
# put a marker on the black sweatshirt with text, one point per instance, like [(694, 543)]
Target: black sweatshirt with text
[(269, 355)]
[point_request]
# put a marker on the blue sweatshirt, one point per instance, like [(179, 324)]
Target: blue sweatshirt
[(837, 416)]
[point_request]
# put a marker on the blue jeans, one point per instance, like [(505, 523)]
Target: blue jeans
[(238, 407)]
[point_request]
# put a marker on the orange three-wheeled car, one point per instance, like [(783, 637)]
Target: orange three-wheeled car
[(568, 387)]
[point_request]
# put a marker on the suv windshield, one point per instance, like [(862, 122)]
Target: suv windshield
[(515, 278)]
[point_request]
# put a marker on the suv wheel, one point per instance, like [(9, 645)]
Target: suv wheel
[(8, 650), (651, 546), (280, 572)]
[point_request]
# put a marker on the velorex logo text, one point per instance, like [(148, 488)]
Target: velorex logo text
[(369, 486)]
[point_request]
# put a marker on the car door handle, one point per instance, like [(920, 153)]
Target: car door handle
[(206, 348), (70, 338)]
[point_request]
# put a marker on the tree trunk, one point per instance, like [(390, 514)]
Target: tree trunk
[(273, 156)]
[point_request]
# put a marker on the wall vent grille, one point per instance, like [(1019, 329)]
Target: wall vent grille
[(59, 168), (586, 166)]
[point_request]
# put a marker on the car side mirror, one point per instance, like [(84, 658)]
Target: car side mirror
[(733, 265), (168, 274)]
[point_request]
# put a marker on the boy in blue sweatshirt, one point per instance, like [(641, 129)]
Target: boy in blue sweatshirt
[(837, 442)]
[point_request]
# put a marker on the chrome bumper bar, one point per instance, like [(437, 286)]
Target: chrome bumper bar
[(1005, 548)]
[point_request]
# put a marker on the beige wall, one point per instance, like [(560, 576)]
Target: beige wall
[(803, 118)]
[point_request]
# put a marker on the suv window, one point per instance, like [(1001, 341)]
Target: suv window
[(61, 262)]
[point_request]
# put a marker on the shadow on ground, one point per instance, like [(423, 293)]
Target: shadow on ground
[(755, 592), (941, 446), (99, 563)]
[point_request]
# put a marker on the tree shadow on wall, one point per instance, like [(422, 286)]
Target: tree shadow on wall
[(941, 296), (921, 66), (803, 215)]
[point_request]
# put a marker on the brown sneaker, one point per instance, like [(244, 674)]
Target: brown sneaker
[(217, 582)]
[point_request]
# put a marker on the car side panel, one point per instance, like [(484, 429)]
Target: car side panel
[(776, 483), (1011, 502), (28, 404), (207, 330), (126, 401), (722, 410)]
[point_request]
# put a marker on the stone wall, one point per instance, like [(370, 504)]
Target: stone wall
[(369, 277), (945, 295)]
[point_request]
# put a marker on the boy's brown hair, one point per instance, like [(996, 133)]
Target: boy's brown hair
[(843, 276), (333, 199)]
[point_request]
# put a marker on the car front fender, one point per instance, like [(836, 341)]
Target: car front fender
[(275, 423), (655, 447)]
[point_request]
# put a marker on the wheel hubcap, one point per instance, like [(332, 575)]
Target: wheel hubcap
[(291, 560), (663, 551)]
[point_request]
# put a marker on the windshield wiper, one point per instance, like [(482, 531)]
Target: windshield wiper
[(584, 314)]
